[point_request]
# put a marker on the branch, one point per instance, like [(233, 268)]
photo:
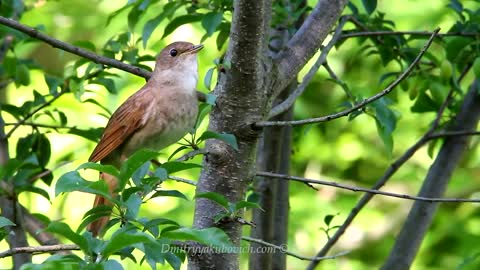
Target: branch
[(367, 190), (436, 181), (386, 176), (34, 33), (182, 180), (398, 33), (362, 104), (306, 41), (283, 249), (44, 105), (192, 154), (287, 103), (38, 250)]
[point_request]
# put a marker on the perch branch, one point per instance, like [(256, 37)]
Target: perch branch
[(284, 250), (34, 33), (360, 105), (367, 190), (38, 250), (287, 103)]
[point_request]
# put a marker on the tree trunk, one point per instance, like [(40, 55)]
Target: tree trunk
[(245, 92), (421, 215), (272, 219)]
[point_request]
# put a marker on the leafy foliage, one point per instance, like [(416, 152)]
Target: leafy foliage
[(35, 120)]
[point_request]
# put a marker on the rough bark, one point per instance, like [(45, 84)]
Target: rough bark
[(241, 99), (272, 219), (421, 215), (244, 96)]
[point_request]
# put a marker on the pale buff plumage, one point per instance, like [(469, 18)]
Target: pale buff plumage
[(157, 115)]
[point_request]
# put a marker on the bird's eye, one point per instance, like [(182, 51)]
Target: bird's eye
[(173, 52)]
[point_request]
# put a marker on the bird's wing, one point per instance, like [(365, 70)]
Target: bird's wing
[(127, 119)]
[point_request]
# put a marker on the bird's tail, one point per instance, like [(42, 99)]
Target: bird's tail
[(97, 226)]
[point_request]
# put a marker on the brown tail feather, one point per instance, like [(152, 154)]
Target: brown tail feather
[(97, 226)]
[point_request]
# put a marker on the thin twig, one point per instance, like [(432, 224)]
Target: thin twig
[(362, 104), (34, 33), (338, 80), (183, 180), (401, 33), (29, 115), (39, 125), (283, 249), (444, 134), (192, 154), (367, 190), (38, 249), (391, 170), (287, 103)]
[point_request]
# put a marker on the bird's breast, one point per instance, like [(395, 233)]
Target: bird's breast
[(168, 119)]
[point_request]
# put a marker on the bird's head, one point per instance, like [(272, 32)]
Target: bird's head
[(177, 55)]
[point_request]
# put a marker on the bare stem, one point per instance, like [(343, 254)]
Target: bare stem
[(362, 104), (38, 250), (284, 250)]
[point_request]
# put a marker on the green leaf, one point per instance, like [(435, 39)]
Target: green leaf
[(109, 84), (328, 219), (455, 46), (40, 191), (92, 134), (4, 222), (118, 11), (176, 166), (211, 21), (168, 10), (179, 21), (53, 84), (424, 103), (152, 225), (225, 137), (211, 99), (99, 167), (112, 265), (72, 181), (170, 193), (245, 204), (216, 197), (133, 206), (64, 230), (370, 5), (94, 214), (385, 115), (213, 237), (181, 148), (22, 76), (385, 135), (161, 173), (133, 163), (140, 173), (208, 78), (203, 110), (223, 35), (122, 239)]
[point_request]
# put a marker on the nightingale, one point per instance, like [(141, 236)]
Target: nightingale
[(157, 115)]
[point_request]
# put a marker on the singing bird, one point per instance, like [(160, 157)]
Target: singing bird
[(157, 115)]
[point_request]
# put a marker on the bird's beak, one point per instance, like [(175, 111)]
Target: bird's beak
[(196, 48)]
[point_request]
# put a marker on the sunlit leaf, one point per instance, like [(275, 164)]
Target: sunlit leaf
[(65, 231), (216, 197), (227, 138)]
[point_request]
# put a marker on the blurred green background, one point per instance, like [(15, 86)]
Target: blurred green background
[(349, 152)]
